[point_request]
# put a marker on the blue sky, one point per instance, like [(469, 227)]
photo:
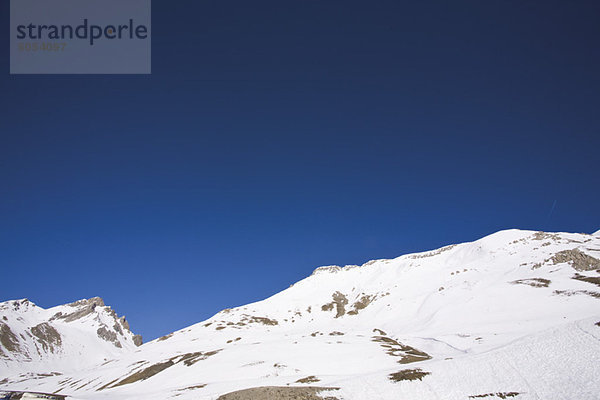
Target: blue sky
[(275, 137)]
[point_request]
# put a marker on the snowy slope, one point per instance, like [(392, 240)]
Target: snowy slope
[(515, 314), (79, 335)]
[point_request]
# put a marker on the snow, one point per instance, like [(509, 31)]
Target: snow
[(496, 316), (78, 346)]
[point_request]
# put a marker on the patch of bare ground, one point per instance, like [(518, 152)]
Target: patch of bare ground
[(500, 395), (251, 319), (194, 387), (308, 379), (162, 338), (188, 359), (598, 323), (263, 320), (533, 282), (577, 292), (408, 375), (281, 393), (145, 373), (406, 353), (589, 279)]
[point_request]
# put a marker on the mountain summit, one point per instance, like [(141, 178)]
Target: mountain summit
[(64, 338), (513, 315)]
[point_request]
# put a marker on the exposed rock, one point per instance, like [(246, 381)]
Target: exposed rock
[(379, 331), (308, 379), (408, 375), (431, 253), (86, 310), (594, 280), (20, 395), (250, 319), (137, 340), (361, 304), (145, 373), (577, 292), (500, 395), (18, 304), (407, 354), (578, 260), (94, 301), (48, 337), (124, 322), (545, 236), (327, 269), (339, 301), (190, 359), (280, 393), (163, 338), (118, 329), (108, 335), (194, 387), (533, 282), (8, 339)]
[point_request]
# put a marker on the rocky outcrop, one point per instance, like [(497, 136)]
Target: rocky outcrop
[(29, 333), (110, 336), (47, 336), (8, 339), (339, 302), (578, 260), (84, 307), (137, 340), (327, 269)]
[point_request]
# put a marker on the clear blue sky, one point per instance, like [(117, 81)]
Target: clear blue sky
[(275, 137)]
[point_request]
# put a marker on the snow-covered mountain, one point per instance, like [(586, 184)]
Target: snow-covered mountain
[(60, 339), (513, 315)]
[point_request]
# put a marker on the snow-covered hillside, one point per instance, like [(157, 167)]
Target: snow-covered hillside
[(60, 339), (513, 315)]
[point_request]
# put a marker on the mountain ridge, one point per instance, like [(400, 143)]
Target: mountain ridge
[(386, 328), (33, 336)]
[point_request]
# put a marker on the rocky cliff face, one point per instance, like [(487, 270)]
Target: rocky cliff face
[(33, 338)]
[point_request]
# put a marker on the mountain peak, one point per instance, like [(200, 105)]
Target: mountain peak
[(35, 338), (93, 301)]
